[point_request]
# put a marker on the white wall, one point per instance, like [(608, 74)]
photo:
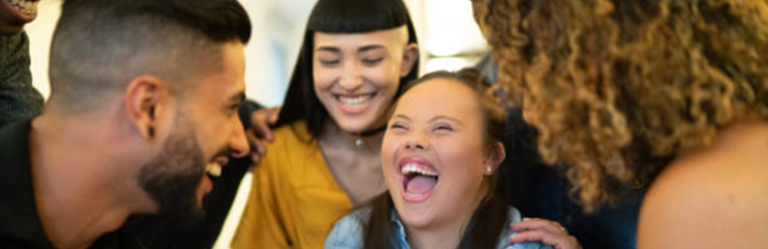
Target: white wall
[(40, 33)]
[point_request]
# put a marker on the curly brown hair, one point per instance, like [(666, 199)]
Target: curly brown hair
[(616, 88)]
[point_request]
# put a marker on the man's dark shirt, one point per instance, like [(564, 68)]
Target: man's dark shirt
[(20, 225)]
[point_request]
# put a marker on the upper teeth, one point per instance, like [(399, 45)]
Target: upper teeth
[(415, 168), (355, 100), (213, 169), (26, 7)]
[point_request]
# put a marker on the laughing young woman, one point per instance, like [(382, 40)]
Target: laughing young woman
[(440, 158)]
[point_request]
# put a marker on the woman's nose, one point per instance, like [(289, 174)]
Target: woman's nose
[(416, 142)]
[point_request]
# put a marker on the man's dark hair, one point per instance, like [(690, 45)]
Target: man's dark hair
[(99, 46)]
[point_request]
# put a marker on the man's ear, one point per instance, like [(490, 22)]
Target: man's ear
[(410, 56), (146, 99), (495, 157)]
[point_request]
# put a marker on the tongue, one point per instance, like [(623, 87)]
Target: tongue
[(420, 184)]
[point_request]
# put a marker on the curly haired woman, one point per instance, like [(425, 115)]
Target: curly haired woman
[(667, 93)]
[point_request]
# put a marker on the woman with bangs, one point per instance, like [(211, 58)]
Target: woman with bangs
[(325, 156)]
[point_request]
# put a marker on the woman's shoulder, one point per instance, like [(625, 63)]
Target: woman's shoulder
[(723, 184), (348, 231), (293, 138), (356, 217), (514, 216), (292, 149), (294, 132)]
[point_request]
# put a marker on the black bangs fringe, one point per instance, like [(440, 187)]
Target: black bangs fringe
[(357, 16)]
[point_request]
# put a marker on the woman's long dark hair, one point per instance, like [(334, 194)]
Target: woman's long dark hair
[(490, 217), (338, 16)]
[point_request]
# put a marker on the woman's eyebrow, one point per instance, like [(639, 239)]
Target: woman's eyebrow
[(402, 116), (369, 48), (329, 49), (445, 117)]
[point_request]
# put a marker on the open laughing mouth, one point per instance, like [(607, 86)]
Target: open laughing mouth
[(213, 169), (354, 103), (420, 179), (25, 7)]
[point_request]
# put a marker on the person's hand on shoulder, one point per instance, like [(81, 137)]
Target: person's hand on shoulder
[(544, 231), (259, 132)]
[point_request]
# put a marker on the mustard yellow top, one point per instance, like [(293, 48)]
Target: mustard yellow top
[(294, 199)]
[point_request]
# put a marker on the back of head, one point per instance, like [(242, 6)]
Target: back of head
[(338, 16), (617, 88), (99, 46)]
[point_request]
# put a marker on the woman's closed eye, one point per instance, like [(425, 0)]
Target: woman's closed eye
[(443, 128), (372, 61), (329, 63), (398, 127)]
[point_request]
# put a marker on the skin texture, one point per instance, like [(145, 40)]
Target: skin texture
[(438, 122), (76, 207), (711, 198)]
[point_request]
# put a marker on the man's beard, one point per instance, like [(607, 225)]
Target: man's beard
[(174, 176)]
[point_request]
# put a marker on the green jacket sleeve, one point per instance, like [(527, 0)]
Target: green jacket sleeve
[(18, 99)]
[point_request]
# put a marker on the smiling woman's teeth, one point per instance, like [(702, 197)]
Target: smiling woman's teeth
[(26, 7), (415, 168), (213, 169), (356, 100)]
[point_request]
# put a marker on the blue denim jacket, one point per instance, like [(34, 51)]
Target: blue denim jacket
[(347, 233)]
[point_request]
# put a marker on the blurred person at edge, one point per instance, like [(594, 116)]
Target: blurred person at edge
[(542, 190), (666, 94), (19, 100), (127, 129)]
